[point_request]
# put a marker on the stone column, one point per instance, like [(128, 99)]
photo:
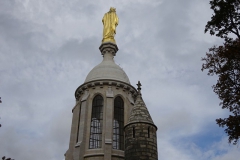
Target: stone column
[(74, 127), (108, 51), (80, 145), (108, 124)]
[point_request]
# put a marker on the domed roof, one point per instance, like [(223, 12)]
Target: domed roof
[(107, 69)]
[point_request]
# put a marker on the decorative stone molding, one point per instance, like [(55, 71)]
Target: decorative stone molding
[(108, 47), (109, 92), (117, 86), (93, 155), (85, 96), (101, 84), (85, 87), (80, 91), (108, 141), (93, 85), (124, 87), (130, 98), (78, 144)]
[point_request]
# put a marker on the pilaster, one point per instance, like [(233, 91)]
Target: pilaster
[(79, 148), (109, 124)]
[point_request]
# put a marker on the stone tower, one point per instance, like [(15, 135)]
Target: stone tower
[(103, 106), (140, 133), (102, 111)]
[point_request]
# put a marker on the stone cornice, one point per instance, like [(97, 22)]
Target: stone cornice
[(137, 122), (105, 82)]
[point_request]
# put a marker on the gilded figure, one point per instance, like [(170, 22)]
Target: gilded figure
[(110, 22)]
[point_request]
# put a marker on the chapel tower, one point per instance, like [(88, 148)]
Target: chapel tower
[(140, 132), (106, 105)]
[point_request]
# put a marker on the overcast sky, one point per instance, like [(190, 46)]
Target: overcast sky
[(47, 48)]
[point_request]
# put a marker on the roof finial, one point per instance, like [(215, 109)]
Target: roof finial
[(139, 87)]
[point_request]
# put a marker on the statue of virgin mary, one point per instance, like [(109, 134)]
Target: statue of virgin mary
[(110, 22)]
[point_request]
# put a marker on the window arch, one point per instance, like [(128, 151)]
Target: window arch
[(95, 140), (118, 122)]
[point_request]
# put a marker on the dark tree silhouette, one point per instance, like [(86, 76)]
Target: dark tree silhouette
[(226, 18), (4, 158), (224, 61)]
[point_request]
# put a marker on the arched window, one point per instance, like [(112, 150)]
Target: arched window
[(95, 140), (118, 122)]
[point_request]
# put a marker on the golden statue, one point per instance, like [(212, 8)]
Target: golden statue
[(110, 22)]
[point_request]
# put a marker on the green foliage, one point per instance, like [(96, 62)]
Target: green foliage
[(224, 61), (226, 18)]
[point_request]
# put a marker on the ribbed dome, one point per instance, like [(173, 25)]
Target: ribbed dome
[(107, 69)]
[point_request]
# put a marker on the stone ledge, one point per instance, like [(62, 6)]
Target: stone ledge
[(118, 155), (93, 155), (138, 122), (92, 84), (78, 144), (108, 141)]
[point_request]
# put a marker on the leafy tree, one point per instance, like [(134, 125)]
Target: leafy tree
[(226, 18), (224, 61)]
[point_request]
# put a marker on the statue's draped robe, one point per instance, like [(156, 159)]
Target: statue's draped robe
[(110, 21)]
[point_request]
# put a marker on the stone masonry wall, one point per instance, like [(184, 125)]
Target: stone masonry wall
[(94, 158), (142, 145), (117, 158)]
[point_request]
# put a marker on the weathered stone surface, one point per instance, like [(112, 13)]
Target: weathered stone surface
[(140, 134), (109, 88), (108, 69), (109, 80), (140, 112)]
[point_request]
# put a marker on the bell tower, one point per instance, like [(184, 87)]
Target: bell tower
[(110, 120), (103, 105)]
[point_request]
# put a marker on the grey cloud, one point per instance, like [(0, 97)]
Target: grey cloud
[(47, 49)]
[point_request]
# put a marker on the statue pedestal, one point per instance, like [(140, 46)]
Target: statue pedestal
[(108, 47)]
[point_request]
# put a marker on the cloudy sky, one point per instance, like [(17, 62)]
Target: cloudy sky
[(47, 48)]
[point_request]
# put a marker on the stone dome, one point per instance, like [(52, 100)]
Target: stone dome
[(107, 70)]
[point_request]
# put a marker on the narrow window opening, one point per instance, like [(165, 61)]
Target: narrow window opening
[(133, 132), (148, 132)]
